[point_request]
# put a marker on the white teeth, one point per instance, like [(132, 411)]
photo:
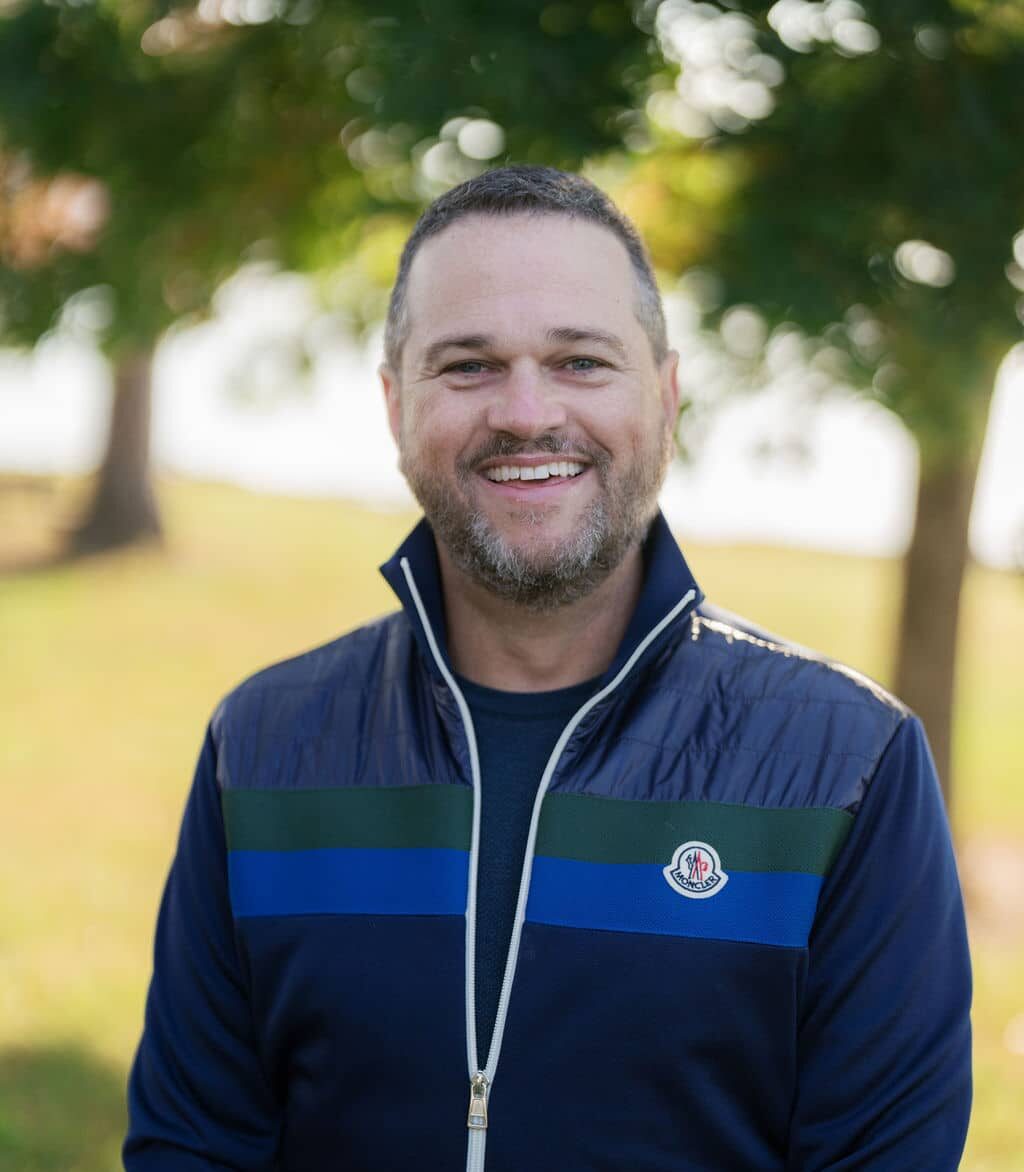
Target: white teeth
[(504, 472)]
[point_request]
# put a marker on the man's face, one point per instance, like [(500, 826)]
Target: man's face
[(533, 423)]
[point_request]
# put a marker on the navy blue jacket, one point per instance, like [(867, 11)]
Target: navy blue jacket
[(740, 941)]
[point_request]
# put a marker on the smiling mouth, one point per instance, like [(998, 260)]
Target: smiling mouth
[(564, 469)]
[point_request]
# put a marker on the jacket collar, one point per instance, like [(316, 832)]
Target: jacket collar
[(667, 579)]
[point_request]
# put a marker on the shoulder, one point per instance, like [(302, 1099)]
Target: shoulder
[(299, 697), (340, 662), (784, 667), (815, 728)]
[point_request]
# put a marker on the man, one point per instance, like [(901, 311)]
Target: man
[(555, 868)]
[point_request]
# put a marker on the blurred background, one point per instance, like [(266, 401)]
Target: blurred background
[(201, 210)]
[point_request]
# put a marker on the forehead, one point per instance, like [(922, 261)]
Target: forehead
[(521, 274)]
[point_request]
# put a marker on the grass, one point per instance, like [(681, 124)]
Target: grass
[(111, 667)]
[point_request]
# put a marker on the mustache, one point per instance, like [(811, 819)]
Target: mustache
[(549, 444)]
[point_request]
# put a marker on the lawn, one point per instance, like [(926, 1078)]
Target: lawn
[(111, 667)]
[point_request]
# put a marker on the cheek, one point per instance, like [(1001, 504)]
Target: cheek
[(628, 430), (418, 424), (437, 428)]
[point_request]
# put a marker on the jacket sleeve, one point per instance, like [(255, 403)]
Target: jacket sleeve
[(197, 1096), (884, 1048)]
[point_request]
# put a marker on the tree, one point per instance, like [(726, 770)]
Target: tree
[(147, 149), (849, 169), (868, 193)]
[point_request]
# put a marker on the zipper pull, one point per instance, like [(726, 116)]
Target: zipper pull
[(478, 1102)]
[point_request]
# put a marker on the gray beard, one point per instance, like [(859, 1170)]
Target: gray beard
[(571, 573), (541, 583)]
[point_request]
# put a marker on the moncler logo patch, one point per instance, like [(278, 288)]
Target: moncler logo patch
[(695, 871)]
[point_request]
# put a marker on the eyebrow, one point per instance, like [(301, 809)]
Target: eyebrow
[(601, 337), (456, 342), (563, 334)]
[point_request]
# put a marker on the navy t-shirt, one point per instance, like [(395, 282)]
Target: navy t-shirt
[(516, 733)]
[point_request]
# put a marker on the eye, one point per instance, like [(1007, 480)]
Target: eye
[(583, 365), (469, 366)]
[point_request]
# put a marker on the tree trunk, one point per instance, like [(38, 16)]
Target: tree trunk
[(123, 507), (933, 572)]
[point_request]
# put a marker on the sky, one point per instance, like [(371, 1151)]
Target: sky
[(226, 407)]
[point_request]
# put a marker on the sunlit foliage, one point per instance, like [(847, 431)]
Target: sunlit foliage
[(146, 148), (868, 186)]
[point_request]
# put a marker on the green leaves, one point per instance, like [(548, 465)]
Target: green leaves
[(278, 125), (884, 179)]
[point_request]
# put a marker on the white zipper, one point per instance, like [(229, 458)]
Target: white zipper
[(482, 1078), (477, 1122)]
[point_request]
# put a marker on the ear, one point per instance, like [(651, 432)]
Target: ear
[(392, 400), (668, 383)]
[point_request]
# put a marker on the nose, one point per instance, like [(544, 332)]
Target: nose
[(525, 404)]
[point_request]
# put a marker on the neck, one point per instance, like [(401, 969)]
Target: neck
[(494, 642)]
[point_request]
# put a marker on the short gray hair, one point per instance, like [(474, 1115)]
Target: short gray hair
[(531, 190)]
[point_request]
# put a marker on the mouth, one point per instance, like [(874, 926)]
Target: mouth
[(539, 479), (558, 470)]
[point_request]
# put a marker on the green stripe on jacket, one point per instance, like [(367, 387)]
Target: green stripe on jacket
[(361, 816), (747, 838)]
